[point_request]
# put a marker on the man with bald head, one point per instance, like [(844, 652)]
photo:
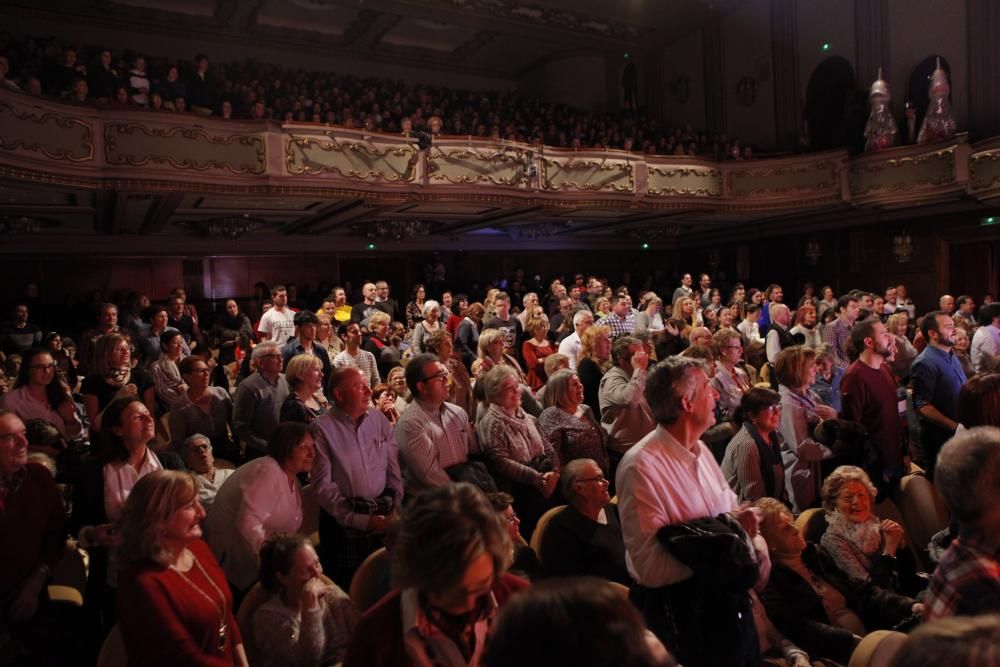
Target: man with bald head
[(362, 312)]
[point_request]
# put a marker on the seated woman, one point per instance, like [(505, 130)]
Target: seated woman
[(523, 559), (449, 574), (305, 400), (258, 500), (306, 621), (863, 547), (202, 409), (170, 386), (752, 463), (574, 622), (491, 354), (523, 463), (113, 377), (397, 380), (569, 425), (535, 349), (812, 602), (428, 324), (196, 451), (384, 399), (585, 539), (175, 606), (593, 362), (38, 394), (801, 411)]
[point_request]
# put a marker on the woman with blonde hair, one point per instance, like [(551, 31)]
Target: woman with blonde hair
[(535, 349), (491, 354), (801, 412), (377, 340), (898, 324), (602, 307), (113, 376), (305, 402), (175, 605), (593, 361)]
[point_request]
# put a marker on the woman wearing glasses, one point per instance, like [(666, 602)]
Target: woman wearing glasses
[(37, 394), (731, 381), (752, 464), (203, 409), (113, 376)]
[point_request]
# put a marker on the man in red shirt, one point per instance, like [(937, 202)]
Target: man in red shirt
[(871, 396)]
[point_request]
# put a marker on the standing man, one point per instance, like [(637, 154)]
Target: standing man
[(304, 342), (871, 397), (936, 377), (624, 410), (685, 288), (107, 323), (182, 321), (570, 346), (705, 290), (966, 309), (353, 355), (621, 319), (670, 478), (383, 302), (258, 399), (509, 326), (278, 324), (986, 341), (362, 312), (530, 302), (355, 476), (778, 336), (433, 435), (341, 309), (837, 333), (773, 294), (595, 290)]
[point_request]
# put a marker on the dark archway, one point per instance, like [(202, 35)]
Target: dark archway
[(919, 83), (630, 87), (829, 95)]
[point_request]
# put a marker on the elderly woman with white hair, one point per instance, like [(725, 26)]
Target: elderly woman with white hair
[(430, 323), (569, 424), (523, 463)]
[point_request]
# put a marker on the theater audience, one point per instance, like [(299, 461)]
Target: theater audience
[(979, 402), (585, 539), (752, 463), (966, 581), (535, 350), (175, 607), (828, 377), (196, 451), (259, 500), (624, 410), (448, 570), (524, 561), (354, 356), (467, 333), (306, 621), (492, 354), (202, 409), (812, 602), (963, 641)]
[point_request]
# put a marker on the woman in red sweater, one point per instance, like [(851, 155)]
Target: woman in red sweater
[(174, 604), (534, 350)]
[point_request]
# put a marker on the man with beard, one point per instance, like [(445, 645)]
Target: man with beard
[(871, 398), (937, 377)]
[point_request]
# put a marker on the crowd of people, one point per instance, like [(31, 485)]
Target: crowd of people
[(249, 89), (575, 439)]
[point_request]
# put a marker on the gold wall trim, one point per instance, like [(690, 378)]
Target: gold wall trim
[(830, 169), (61, 121), (981, 166), (556, 168), (298, 165), (714, 190), (905, 181), (513, 162), (256, 166)]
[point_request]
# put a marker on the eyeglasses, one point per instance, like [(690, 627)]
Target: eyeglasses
[(443, 375), (41, 367), (772, 408), (601, 479), (270, 356)]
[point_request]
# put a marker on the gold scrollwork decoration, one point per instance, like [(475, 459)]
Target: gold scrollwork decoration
[(908, 183), (63, 122), (685, 172), (588, 165), (829, 167), (113, 130), (298, 167), (500, 160), (976, 166)]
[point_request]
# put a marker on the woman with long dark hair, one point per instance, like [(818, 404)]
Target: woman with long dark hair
[(38, 394)]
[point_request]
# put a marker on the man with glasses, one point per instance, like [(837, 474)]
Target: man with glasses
[(433, 435), (585, 539), (258, 400)]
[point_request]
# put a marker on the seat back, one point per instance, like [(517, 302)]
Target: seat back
[(223, 464), (310, 514), (812, 524), (543, 522), (257, 596), (877, 649), (372, 581), (113, 650), (924, 513)]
